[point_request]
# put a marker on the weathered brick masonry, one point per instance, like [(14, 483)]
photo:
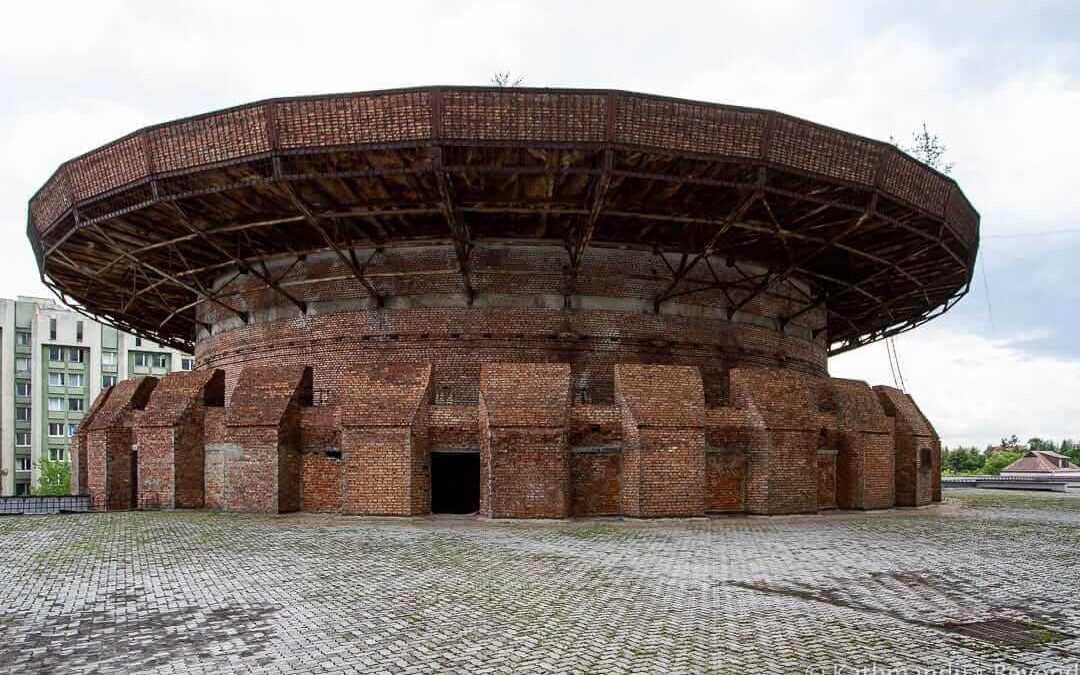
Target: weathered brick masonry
[(786, 442)]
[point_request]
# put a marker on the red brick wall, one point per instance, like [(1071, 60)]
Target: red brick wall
[(658, 452), (262, 420), (663, 416), (79, 444), (865, 445), (524, 412), (594, 482), (214, 462), (157, 466), (794, 410), (109, 462), (322, 484), (170, 437), (384, 439), (594, 425), (453, 426), (319, 429), (250, 477), (826, 479), (916, 484), (744, 429), (519, 317), (725, 480), (214, 426)]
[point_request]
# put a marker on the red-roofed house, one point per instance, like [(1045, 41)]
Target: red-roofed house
[(1041, 463)]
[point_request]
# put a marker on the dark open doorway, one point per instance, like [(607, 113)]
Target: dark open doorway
[(455, 482)]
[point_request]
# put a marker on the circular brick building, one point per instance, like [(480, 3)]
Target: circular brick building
[(518, 301)]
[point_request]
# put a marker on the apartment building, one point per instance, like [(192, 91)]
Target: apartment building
[(53, 363)]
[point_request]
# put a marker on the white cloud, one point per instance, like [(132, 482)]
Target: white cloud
[(974, 389), (1001, 89)]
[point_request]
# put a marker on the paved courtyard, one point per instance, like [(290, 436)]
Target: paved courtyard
[(202, 592)]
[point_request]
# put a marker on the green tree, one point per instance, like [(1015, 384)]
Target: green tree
[(995, 463), (927, 148), (54, 478), (1010, 442), (1041, 444), (962, 460), (505, 79), (1071, 448)]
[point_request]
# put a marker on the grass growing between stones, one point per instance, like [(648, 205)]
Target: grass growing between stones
[(1014, 499)]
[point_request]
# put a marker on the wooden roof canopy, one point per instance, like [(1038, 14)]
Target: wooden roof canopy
[(133, 233)]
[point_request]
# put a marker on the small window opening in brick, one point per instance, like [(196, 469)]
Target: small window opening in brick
[(333, 454), (444, 396), (924, 459), (582, 395)]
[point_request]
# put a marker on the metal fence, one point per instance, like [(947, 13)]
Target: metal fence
[(42, 505)]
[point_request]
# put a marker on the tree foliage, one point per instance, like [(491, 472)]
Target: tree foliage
[(54, 478), (927, 148), (969, 461), (998, 461), (505, 79), (961, 460)]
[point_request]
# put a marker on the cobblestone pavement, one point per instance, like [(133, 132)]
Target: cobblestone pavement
[(202, 592)]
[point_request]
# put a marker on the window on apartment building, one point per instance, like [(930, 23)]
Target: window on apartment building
[(76, 404), (161, 360), (22, 439), (138, 342), (58, 454), (52, 329), (22, 489), (186, 364), (22, 413), (56, 379), (22, 364), (107, 381), (75, 379), (75, 355), (56, 404), (78, 331), (108, 358), (22, 464), (56, 353), (22, 388), (22, 338), (56, 429), (72, 428), (140, 359)]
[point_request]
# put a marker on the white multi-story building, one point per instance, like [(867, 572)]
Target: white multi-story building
[(53, 364)]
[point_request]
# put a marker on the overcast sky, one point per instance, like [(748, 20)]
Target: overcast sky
[(999, 82)]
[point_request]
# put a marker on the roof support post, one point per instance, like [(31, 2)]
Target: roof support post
[(459, 229)]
